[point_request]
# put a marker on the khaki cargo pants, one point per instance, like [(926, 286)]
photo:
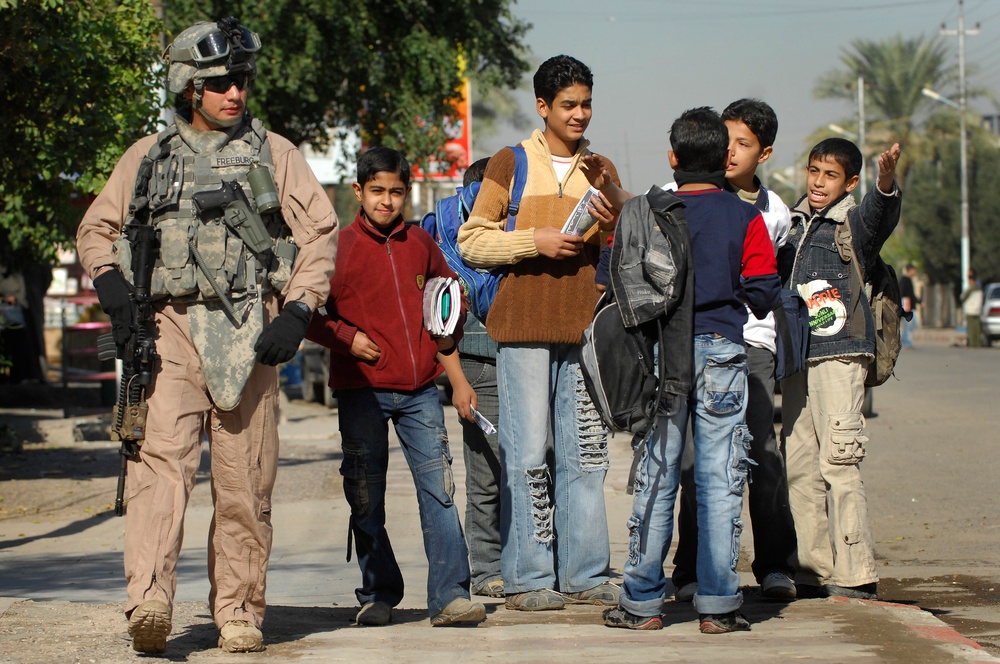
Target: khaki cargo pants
[(244, 453), (823, 434)]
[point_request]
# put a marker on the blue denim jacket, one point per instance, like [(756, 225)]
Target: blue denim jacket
[(840, 318)]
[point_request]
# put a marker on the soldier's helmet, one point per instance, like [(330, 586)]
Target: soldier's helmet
[(211, 49)]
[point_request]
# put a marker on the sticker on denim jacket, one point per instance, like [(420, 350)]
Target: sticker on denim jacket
[(827, 311)]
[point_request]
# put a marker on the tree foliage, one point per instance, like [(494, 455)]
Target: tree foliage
[(932, 203), (77, 86), (392, 68)]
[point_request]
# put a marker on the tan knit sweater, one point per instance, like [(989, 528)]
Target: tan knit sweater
[(541, 300)]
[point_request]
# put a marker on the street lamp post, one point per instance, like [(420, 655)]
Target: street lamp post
[(961, 33), (963, 170)]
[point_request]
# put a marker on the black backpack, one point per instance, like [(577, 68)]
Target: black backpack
[(620, 370)]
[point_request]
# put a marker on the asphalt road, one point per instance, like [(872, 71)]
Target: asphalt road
[(931, 474)]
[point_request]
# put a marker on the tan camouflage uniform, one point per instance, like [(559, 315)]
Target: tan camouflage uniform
[(243, 436)]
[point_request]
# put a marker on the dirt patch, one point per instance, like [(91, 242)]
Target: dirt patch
[(969, 604)]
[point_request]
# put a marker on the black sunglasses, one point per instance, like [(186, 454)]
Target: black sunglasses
[(221, 84)]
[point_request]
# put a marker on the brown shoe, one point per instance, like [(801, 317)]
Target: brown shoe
[(240, 636), (149, 626)]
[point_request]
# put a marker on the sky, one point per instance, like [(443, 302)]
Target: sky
[(653, 59)]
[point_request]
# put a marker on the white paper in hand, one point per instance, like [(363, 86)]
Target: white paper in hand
[(580, 220)]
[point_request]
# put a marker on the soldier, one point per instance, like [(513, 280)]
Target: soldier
[(230, 301)]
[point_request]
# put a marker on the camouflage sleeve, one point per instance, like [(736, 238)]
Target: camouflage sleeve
[(309, 214), (103, 221)]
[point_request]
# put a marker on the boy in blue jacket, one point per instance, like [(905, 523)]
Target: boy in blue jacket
[(822, 429), (383, 363), (734, 267)]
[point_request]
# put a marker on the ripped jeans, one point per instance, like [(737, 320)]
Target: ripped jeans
[(419, 422), (553, 522), (717, 408)]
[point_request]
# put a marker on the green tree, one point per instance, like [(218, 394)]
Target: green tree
[(932, 203), (391, 69), (895, 70), (77, 84)]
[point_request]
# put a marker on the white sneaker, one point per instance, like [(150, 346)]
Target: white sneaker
[(777, 585)]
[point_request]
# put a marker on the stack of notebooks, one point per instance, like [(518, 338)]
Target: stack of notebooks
[(442, 305)]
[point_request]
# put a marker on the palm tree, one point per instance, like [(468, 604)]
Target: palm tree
[(894, 71)]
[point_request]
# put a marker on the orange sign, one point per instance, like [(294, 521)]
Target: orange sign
[(458, 146)]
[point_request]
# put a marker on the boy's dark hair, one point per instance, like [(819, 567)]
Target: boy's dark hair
[(757, 116), (560, 72), (700, 141), (378, 159), (475, 172), (841, 151)]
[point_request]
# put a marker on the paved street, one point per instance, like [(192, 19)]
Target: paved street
[(930, 472)]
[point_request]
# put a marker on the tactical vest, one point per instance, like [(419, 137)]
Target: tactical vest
[(195, 252)]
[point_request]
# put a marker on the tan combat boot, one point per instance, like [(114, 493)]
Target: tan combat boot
[(240, 636), (149, 626)]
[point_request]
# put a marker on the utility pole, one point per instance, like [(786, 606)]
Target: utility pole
[(861, 134), (963, 142)]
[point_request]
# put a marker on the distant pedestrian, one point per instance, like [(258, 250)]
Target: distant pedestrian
[(972, 307), (908, 293)]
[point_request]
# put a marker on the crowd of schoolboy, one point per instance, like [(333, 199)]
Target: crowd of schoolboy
[(537, 532)]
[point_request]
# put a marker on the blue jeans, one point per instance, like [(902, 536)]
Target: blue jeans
[(908, 327), (554, 526), (770, 515), (717, 407), (419, 422), (482, 475)]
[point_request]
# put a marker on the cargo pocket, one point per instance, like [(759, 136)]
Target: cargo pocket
[(739, 460), (847, 439), (353, 468), (175, 269), (725, 383), (634, 539), (212, 247)]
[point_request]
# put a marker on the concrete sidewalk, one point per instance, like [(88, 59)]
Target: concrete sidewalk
[(62, 591)]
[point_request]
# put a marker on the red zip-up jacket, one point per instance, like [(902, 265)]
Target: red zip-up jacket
[(378, 288)]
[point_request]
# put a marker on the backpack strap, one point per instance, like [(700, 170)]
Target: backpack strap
[(520, 179)]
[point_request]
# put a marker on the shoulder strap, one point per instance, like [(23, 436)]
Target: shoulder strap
[(520, 178)]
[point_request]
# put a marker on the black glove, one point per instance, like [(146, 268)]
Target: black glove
[(281, 338), (113, 292)]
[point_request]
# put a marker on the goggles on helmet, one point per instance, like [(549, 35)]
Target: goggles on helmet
[(218, 45)]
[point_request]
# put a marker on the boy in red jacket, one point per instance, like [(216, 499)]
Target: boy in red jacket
[(383, 363)]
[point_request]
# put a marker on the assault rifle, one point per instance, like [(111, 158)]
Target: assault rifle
[(138, 355)]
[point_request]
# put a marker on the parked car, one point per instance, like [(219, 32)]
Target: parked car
[(315, 362), (991, 313)]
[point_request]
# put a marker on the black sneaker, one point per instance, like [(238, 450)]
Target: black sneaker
[(806, 591), (864, 591), (620, 617), (721, 623)]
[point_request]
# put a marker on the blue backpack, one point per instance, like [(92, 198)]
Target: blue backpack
[(479, 285)]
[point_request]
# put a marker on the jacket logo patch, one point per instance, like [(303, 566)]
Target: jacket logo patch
[(420, 282), (827, 311)]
